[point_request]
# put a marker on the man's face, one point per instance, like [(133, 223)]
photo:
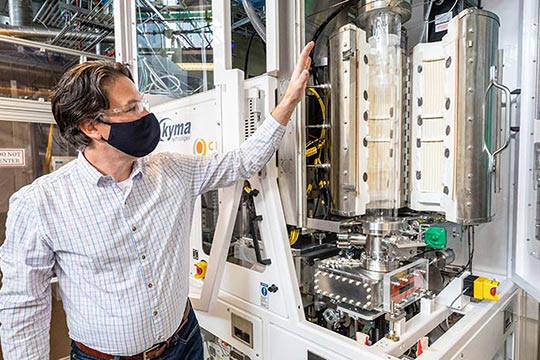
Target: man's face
[(125, 104)]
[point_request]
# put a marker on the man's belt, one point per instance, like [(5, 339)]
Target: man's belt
[(152, 353)]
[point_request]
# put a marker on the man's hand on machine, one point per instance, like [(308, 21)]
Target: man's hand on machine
[(297, 86)]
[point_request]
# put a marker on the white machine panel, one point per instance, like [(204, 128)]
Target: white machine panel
[(433, 127), (302, 350), (186, 127), (247, 337), (427, 127)]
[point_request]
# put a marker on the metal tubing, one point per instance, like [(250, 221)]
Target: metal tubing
[(426, 22), (58, 49), (254, 19), (33, 32)]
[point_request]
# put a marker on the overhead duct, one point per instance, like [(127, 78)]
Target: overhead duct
[(20, 12)]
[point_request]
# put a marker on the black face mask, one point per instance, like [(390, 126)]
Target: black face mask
[(136, 138)]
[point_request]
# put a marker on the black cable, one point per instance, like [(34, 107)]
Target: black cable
[(462, 270), (316, 207), (326, 203), (318, 33), (472, 252), (329, 203), (314, 72), (246, 61), (325, 23), (470, 242)]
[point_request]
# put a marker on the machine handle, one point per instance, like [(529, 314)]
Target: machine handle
[(508, 115), (254, 219)]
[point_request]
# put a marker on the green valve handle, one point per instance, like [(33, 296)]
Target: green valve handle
[(435, 237)]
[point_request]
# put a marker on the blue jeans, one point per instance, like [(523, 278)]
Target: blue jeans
[(186, 345)]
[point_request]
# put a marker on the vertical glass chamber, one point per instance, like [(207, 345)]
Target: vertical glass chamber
[(384, 120)]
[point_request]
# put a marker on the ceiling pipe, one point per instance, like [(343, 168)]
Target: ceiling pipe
[(44, 46), (36, 32)]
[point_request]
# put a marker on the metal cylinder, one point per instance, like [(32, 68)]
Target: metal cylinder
[(20, 12), (343, 120), (375, 247), (351, 240), (476, 107), (366, 8), (377, 256), (444, 257)]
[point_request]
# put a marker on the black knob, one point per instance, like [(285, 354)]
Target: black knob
[(273, 288)]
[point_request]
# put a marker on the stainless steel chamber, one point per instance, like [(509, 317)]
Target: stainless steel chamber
[(476, 109), (343, 143)]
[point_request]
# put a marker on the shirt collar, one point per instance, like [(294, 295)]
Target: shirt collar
[(92, 175)]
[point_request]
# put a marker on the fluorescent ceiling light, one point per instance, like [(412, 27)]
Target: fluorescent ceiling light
[(193, 66)]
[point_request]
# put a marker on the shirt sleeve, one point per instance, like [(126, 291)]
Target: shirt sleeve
[(26, 262), (221, 170)]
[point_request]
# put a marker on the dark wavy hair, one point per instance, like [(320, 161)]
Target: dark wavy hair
[(81, 94)]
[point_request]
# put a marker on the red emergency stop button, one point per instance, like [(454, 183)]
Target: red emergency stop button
[(200, 269), (493, 291)]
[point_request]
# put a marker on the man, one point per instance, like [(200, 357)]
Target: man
[(114, 225)]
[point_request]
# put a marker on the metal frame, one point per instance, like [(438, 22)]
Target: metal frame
[(27, 111), (477, 335), (526, 264), (272, 37), (291, 156), (229, 87), (125, 34), (230, 198)]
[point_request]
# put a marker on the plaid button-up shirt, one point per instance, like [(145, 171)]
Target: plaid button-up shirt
[(121, 255)]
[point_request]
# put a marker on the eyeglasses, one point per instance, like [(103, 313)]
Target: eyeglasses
[(133, 109)]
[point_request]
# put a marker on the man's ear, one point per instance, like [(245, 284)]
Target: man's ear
[(94, 129)]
